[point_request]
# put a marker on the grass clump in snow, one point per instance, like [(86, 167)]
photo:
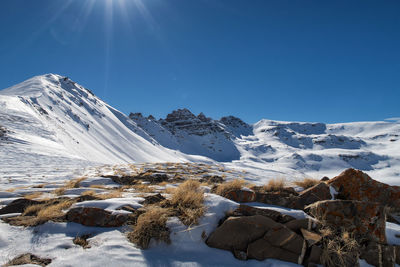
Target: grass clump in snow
[(116, 193), (339, 250), (188, 201), (151, 224), (307, 182), (82, 241), (74, 183), (233, 185), (28, 258), (273, 185)]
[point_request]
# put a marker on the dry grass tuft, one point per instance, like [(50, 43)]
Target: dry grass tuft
[(144, 188), (74, 183), (188, 200), (107, 195), (33, 195), (82, 241), (275, 185), (341, 250), (48, 211), (224, 188), (54, 211), (152, 224), (307, 182)]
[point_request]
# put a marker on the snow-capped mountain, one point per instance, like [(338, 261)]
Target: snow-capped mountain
[(281, 148), (50, 120)]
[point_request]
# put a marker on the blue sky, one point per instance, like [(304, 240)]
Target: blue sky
[(329, 61)]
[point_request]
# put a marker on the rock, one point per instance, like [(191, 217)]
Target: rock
[(379, 255), (279, 198), (296, 225), (237, 232), (366, 220), (356, 185), (261, 249), (315, 255), (212, 179), (273, 214), (397, 252), (153, 199), (95, 217), (316, 193), (240, 255), (151, 177), (241, 195), (310, 237), (285, 238), (18, 206), (324, 179), (28, 258)]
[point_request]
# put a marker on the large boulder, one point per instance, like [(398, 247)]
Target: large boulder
[(245, 210), (311, 195), (237, 232), (278, 243), (379, 255), (96, 217), (18, 206), (366, 220), (356, 185), (278, 198), (241, 195)]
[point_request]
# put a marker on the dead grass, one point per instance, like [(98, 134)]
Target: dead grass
[(224, 188), (144, 188), (107, 195), (74, 183), (275, 185), (341, 250), (82, 241), (48, 211), (188, 200), (33, 195), (151, 224), (307, 182)]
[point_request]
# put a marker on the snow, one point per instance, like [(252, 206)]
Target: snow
[(53, 130)]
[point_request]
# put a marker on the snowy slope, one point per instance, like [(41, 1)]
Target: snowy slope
[(51, 126), (289, 149), (50, 122)]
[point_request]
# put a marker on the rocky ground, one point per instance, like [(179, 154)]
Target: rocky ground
[(181, 207)]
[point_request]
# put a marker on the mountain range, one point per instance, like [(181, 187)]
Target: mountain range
[(51, 121)]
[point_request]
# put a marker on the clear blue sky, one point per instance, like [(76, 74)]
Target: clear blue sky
[(329, 61)]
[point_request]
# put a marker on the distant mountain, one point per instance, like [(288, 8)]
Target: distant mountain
[(50, 120)]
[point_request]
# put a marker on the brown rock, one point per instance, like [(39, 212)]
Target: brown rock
[(356, 185), (95, 217), (296, 225), (273, 214), (28, 258), (279, 198), (310, 237), (237, 232), (315, 255), (285, 238), (241, 195), (18, 206), (261, 249), (366, 220), (153, 199), (311, 195), (240, 255), (378, 255)]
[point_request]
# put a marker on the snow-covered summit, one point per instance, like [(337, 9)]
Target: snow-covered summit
[(50, 119)]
